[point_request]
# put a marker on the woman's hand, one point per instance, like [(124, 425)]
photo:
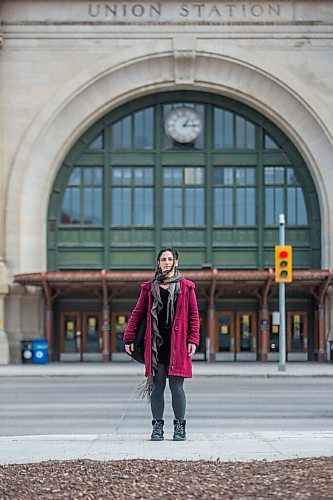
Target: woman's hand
[(191, 348), (129, 348)]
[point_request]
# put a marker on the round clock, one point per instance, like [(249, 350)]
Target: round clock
[(183, 125)]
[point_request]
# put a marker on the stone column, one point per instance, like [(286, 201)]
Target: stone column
[(211, 332), (106, 333), (263, 333), (106, 318), (321, 333), (4, 345), (49, 329)]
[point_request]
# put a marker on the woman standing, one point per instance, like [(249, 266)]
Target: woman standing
[(172, 336)]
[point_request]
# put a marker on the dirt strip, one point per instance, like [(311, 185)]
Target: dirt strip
[(149, 479)]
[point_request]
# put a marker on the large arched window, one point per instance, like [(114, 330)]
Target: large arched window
[(200, 172)]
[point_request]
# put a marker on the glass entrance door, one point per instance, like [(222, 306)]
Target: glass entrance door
[(297, 335), (119, 325), (236, 336), (81, 335)]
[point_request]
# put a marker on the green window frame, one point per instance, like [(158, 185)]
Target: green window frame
[(82, 201), (228, 220), (132, 196), (283, 194), (183, 196)]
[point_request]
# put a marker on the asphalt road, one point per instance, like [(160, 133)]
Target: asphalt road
[(85, 405)]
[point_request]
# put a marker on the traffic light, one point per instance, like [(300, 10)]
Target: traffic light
[(283, 264)]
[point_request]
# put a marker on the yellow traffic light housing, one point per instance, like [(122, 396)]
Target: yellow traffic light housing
[(283, 264)]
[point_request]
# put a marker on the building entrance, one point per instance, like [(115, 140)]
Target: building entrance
[(297, 337), (81, 334), (236, 337)]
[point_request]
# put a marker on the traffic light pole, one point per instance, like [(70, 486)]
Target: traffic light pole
[(282, 304)]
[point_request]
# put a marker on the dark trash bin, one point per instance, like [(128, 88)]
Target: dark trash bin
[(26, 351), (40, 353)]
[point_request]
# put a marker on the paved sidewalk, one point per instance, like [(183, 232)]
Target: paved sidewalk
[(268, 446), (224, 446), (200, 368)]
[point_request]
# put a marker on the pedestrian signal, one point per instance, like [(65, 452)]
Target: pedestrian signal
[(283, 264)]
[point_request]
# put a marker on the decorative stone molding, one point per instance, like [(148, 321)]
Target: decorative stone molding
[(184, 57), (87, 97)]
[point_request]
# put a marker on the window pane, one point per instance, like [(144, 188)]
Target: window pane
[(65, 208), (143, 176), (250, 135), (172, 176), (296, 206), (240, 133), (75, 178), (250, 176), (245, 212), (291, 177), (302, 217), (228, 176), (279, 204), (98, 176), (143, 206), (172, 207), (274, 205), (87, 206), (121, 206), (116, 135), (269, 175), (98, 210), (291, 205), (74, 203), (97, 143), (194, 206), (223, 207), (194, 175), (127, 132), (122, 133), (87, 176), (240, 206), (274, 175), (269, 206), (279, 175), (223, 129), (240, 176), (122, 176), (92, 205), (143, 129), (224, 176), (269, 143)]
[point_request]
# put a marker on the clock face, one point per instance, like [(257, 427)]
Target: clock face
[(183, 125)]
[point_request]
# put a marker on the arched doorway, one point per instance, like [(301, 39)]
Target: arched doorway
[(202, 172)]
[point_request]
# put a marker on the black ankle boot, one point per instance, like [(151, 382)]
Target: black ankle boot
[(158, 433), (179, 433)]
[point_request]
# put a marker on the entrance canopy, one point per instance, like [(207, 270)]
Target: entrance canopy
[(312, 282)]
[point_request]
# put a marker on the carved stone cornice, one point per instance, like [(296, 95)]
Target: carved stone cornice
[(184, 57)]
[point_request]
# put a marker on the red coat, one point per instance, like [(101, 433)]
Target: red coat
[(185, 328)]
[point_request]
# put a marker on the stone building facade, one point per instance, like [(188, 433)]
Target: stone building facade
[(73, 75)]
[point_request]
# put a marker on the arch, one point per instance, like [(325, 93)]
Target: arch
[(80, 238), (105, 86)]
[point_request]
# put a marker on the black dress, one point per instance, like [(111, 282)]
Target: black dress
[(164, 329)]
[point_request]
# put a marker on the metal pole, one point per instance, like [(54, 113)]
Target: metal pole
[(282, 305)]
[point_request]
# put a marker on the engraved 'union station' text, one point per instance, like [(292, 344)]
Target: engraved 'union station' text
[(185, 11)]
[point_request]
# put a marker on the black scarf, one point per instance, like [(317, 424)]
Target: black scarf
[(156, 339)]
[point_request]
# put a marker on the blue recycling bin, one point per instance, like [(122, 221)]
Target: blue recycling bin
[(40, 353)]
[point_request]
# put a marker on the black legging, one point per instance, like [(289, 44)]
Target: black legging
[(177, 392)]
